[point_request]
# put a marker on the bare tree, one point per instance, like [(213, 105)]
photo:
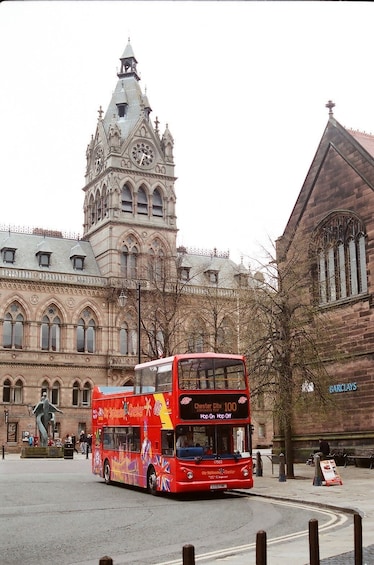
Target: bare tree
[(284, 347)]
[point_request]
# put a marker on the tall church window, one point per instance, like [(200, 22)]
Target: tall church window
[(142, 202), (86, 333), (50, 330), (129, 261), (157, 205), (127, 204), (13, 327), (340, 247)]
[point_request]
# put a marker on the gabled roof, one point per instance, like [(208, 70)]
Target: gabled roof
[(348, 144), (364, 139)]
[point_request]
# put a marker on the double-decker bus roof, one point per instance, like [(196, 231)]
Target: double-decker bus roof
[(181, 356)]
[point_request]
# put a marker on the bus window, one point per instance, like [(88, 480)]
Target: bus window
[(188, 375), (133, 440), (145, 380), (108, 438), (164, 378), (167, 442), (212, 374)]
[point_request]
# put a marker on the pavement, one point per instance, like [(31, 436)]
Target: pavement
[(336, 542)]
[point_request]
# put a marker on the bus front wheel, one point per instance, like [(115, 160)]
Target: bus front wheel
[(152, 480), (107, 472)]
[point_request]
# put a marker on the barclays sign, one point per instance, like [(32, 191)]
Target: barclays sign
[(343, 387)]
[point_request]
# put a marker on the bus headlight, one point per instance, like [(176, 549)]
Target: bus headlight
[(189, 475), (245, 471)]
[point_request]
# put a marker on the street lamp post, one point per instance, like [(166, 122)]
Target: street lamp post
[(122, 301), (139, 319)]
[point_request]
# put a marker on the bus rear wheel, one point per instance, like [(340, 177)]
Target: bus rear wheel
[(107, 472), (152, 480)]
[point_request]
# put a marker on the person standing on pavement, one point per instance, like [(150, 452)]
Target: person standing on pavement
[(324, 447), (82, 442), (74, 442), (89, 442)]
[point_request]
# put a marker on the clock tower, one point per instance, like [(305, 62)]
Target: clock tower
[(129, 204)]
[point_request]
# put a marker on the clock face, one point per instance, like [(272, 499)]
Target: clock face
[(99, 160), (142, 154)]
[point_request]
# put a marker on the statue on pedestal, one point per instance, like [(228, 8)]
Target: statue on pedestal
[(45, 413)]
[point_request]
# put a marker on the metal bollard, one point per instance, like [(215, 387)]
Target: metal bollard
[(261, 548), (258, 464), (87, 450), (357, 520), (188, 555), (106, 561), (3, 450), (282, 469), (317, 479), (313, 542)]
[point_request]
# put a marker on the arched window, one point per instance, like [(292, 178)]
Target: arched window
[(156, 264), (13, 328), (44, 389), (157, 205), (86, 395), (86, 333), (75, 395), (18, 392), (50, 330), (340, 258), (92, 210), (14, 393), (124, 339), (98, 206), (127, 205), (6, 390), (56, 393), (142, 202), (105, 202), (196, 339), (128, 338), (129, 262)]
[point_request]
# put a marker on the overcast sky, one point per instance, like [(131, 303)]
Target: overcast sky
[(241, 85)]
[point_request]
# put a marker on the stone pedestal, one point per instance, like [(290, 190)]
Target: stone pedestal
[(42, 452)]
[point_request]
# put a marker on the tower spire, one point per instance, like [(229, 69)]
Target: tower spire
[(128, 63)]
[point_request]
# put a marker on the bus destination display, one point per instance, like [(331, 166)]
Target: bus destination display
[(204, 407)]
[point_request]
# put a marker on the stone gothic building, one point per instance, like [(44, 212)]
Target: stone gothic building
[(83, 311), (332, 227)]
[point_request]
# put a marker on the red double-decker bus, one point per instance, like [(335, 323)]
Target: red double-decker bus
[(184, 426)]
